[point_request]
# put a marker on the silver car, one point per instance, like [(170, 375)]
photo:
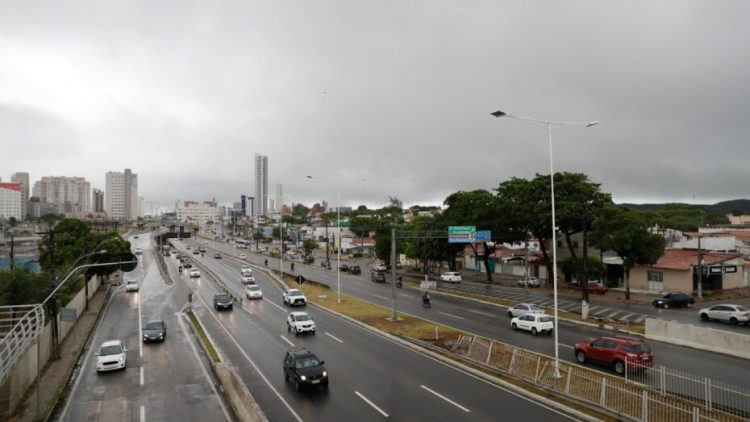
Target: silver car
[(734, 314), (523, 309), (529, 282)]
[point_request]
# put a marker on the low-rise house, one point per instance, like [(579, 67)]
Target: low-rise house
[(677, 271)]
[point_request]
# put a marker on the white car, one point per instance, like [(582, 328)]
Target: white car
[(194, 273), (294, 297), (246, 268), (523, 309), (112, 355), (247, 278), (451, 277), (131, 285), (536, 323), (300, 322), (242, 256), (734, 314), (529, 282), (253, 292), (138, 251)]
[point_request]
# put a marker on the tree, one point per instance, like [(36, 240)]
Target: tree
[(625, 231), (300, 212), (309, 245)]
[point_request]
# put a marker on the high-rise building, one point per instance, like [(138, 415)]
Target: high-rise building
[(279, 197), (10, 201), (23, 178), (121, 195), (98, 203), (72, 193), (198, 212), (261, 185), (250, 208), (243, 205)]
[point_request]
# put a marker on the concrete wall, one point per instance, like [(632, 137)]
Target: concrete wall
[(242, 401), (699, 337), (23, 374)]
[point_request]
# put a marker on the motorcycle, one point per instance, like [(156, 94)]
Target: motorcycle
[(426, 302), (180, 270), (292, 266), (266, 263), (399, 284)]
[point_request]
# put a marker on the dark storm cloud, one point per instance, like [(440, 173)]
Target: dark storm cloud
[(185, 93)]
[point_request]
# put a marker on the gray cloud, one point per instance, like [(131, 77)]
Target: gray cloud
[(185, 93)]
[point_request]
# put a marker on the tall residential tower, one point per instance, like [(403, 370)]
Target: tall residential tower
[(261, 185), (121, 195), (22, 178)]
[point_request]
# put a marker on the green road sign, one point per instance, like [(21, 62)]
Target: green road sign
[(462, 234)]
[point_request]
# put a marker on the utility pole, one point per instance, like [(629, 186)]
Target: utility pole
[(394, 314), (700, 269), (12, 254)]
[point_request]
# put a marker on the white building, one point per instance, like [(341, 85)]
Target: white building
[(260, 207), (121, 195), (73, 193), (10, 201), (279, 198), (198, 212), (23, 178)]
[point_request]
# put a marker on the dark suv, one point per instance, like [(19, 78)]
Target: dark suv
[(615, 351), (304, 369), (673, 300), (222, 301)]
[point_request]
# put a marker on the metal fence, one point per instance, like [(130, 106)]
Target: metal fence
[(19, 327), (628, 399)]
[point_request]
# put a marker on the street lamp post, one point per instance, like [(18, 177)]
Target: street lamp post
[(550, 124), (338, 232)]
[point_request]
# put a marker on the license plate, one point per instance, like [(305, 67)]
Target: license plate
[(315, 381)]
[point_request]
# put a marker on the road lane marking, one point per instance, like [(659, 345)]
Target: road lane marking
[(613, 314), (446, 399), (252, 363), (141, 375), (140, 327), (143, 413), (382, 297), (451, 315), (371, 403), (334, 337), (627, 316), (565, 345), (481, 313), (279, 307), (640, 318), (286, 340)]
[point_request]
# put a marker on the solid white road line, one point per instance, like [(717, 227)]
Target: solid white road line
[(451, 315), (446, 399), (252, 363), (140, 327), (382, 297), (481, 313), (371, 403), (334, 337), (286, 340), (141, 375), (565, 345), (143, 413)]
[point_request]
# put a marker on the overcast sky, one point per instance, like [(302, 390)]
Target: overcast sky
[(184, 93)]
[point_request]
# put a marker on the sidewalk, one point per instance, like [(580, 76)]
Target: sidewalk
[(55, 374)]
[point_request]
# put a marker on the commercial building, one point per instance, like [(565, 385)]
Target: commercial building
[(10, 201), (121, 195), (72, 193), (261, 186), (22, 178), (98, 203), (279, 197), (198, 212)]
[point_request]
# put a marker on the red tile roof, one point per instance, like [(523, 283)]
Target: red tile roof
[(684, 259)]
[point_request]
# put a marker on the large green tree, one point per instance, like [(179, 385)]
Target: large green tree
[(626, 231)]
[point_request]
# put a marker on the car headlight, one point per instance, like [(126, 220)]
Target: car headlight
[(121, 358), (303, 378), (325, 374)]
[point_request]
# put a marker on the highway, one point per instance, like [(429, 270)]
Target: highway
[(163, 381), (371, 377), (492, 322)]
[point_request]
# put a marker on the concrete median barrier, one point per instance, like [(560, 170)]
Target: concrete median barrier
[(699, 337), (242, 401)]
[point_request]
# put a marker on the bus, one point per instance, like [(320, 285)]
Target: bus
[(242, 243)]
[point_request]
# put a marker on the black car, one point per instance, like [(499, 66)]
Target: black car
[(154, 331), (217, 256), (377, 276), (222, 301), (196, 252), (187, 264), (355, 270), (672, 300), (304, 369)]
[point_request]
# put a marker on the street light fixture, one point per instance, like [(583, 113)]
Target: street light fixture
[(550, 124), (338, 228)]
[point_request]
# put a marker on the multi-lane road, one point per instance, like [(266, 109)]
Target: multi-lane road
[(492, 322), (372, 377)]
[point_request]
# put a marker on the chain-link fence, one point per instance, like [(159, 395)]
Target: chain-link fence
[(624, 396)]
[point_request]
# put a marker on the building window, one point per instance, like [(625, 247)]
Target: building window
[(656, 280)]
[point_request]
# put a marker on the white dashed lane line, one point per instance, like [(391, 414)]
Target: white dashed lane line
[(481, 313), (382, 297), (334, 337), (446, 399), (371, 403), (451, 315), (286, 340)]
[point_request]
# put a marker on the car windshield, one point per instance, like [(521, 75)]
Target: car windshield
[(306, 362), (545, 319), (222, 297), (254, 288), (741, 308), (132, 282), (153, 325), (637, 348), (110, 350), (535, 308), (302, 317), (295, 293)]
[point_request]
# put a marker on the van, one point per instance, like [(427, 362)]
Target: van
[(451, 277)]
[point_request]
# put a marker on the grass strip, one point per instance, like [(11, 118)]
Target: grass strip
[(204, 338)]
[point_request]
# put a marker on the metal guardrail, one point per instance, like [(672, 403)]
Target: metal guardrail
[(20, 326)]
